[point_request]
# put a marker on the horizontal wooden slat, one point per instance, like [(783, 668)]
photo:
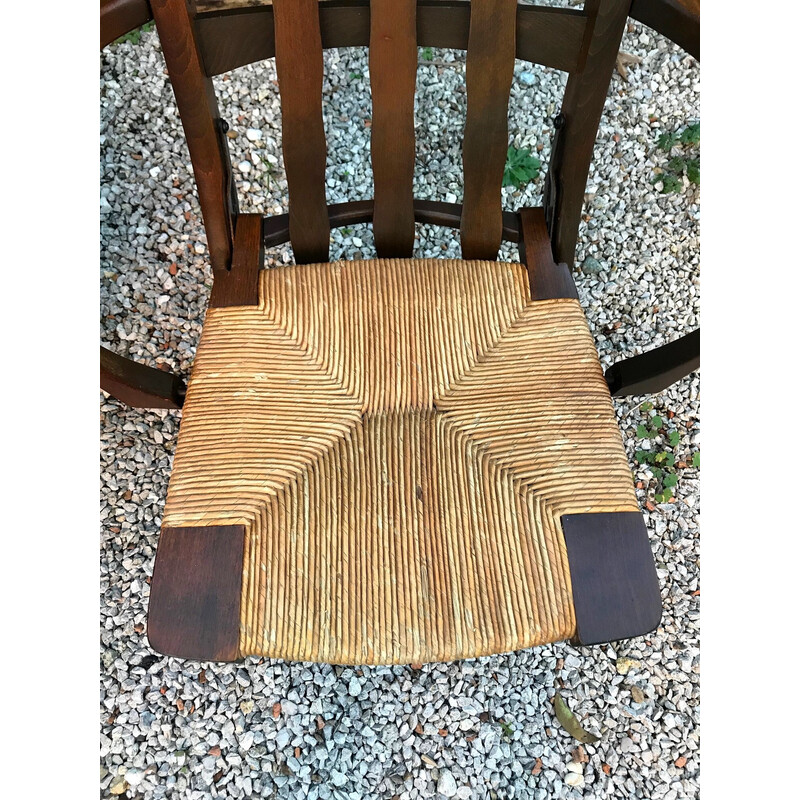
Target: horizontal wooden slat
[(430, 212), (231, 39)]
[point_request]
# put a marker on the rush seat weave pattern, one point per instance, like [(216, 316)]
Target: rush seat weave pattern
[(400, 439)]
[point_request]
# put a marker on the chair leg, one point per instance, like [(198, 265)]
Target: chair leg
[(655, 370), (138, 385)]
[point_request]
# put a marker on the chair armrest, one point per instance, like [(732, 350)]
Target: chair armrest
[(118, 17), (678, 20), (655, 370), (139, 385)]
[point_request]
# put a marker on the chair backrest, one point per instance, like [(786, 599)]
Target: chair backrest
[(203, 38)]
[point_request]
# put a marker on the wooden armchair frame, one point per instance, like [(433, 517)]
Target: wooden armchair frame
[(229, 38), (614, 590)]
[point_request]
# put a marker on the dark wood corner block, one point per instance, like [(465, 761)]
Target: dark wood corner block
[(195, 594), (614, 582)]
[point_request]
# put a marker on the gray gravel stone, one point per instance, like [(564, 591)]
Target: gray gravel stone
[(446, 784)]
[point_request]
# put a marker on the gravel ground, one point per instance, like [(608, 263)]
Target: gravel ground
[(475, 729)]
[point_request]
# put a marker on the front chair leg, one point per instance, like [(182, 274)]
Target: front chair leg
[(138, 385), (655, 370)]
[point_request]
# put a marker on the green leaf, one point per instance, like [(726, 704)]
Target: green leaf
[(657, 422), (657, 473), (693, 171), (644, 456), (670, 184), (696, 459), (691, 134), (664, 496), (521, 167), (647, 406), (427, 54), (570, 722), (642, 432), (508, 731), (674, 438), (677, 164), (667, 141), (355, 76), (660, 457), (670, 479), (520, 174), (670, 460)]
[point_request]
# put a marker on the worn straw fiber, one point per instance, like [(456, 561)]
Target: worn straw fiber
[(400, 439)]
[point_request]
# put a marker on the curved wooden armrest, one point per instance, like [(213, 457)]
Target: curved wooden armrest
[(139, 385), (678, 20), (655, 370), (118, 17)]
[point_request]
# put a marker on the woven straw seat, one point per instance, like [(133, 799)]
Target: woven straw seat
[(399, 440)]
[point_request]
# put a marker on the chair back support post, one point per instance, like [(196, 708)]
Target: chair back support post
[(582, 108), (205, 130)]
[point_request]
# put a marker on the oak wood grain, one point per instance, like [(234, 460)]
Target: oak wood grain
[(298, 59), (548, 36), (197, 103), (195, 595), (490, 67), (239, 285), (548, 279), (118, 17), (393, 73)]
